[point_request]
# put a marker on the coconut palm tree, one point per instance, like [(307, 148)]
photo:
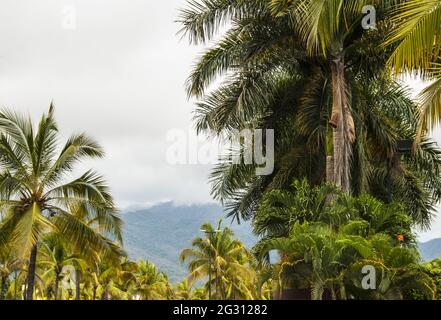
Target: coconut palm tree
[(56, 259), (107, 228), (150, 284), (223, 259), (183, 290), (113, 277), (36, 195)]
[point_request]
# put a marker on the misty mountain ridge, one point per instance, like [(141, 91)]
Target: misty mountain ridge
[(430, 250), (159, 233)]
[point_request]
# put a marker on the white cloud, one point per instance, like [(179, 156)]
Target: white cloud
[(119, 76)]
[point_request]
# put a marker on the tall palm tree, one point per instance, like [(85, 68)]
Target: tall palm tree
[(329, 28), (271, 80), (326, 30), (36, 195)]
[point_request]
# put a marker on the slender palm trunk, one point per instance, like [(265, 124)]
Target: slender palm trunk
[(3, 288), (343, 124), (94, 292), (77, 284), (31, 274), (217, 287), (330, 169), (57, 281)]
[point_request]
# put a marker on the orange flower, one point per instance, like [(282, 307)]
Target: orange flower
[(400, 238)]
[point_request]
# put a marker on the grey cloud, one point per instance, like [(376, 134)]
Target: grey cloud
[(118, 76)]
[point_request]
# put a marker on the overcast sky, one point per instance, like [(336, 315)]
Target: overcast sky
[(115, 69)]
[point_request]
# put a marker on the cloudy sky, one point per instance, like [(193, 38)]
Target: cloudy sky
[(115, 69)]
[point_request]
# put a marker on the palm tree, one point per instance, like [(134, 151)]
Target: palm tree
[(397, 272), (112, 278), (183, 290), (150, 283), (8, 264), (326, 30), (282, 209), (433, 270), (416, 36), (56, 259), (324, 244), (36, 195), (322, 258), (222, 258), (272, 81), (330, 28), (106, 227)]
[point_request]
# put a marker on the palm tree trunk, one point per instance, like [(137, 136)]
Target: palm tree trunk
[(31, 274), (57, 281), (94, 293), (217, 287), (330, 169), (77, 284), (343, 124), (3, 288)]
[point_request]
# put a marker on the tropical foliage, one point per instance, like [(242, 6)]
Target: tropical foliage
[(338, 212), (226, 263), (324, 245), (278, 73), (415, 29), (315, 74)]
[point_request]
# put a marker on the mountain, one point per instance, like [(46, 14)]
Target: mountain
[(430, 250), (160, 233)]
